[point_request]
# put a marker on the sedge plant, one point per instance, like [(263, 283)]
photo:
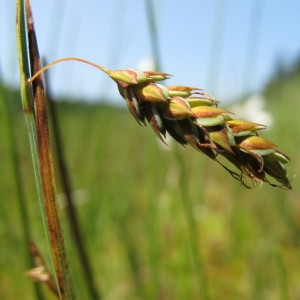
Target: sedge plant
[(192, 117), (188, 114)]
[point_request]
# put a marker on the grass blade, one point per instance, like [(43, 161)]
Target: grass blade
[(34, 105), (192, 228)]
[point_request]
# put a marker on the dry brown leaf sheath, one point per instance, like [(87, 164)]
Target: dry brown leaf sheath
[(46, 171)]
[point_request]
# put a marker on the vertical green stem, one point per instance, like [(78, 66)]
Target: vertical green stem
[(34, 106), (192, 227)]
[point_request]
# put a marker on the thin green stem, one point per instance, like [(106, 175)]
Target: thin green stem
[(39, 72), (192, 227), (34, 106)]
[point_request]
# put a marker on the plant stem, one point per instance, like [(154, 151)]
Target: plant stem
[(192, 229), (41, 70), (38, 132)]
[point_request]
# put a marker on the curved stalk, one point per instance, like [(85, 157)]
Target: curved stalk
[(38, 73)]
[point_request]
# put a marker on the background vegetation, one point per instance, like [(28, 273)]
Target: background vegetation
[(137, 225), (158, 222)]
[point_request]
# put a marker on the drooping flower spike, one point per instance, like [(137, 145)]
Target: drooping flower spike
[(191, 116)]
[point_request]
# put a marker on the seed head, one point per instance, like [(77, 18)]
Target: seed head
[(151, 93), (192, 117), (176, 109), (127, 77)]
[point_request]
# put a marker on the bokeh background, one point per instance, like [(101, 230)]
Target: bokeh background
[(158, 222)]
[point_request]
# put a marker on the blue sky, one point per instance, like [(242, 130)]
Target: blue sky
[(226, 47)]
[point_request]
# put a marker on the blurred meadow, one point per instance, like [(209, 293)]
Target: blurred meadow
[(158, 222)]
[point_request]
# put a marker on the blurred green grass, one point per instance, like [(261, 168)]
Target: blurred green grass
[(133, 218)]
